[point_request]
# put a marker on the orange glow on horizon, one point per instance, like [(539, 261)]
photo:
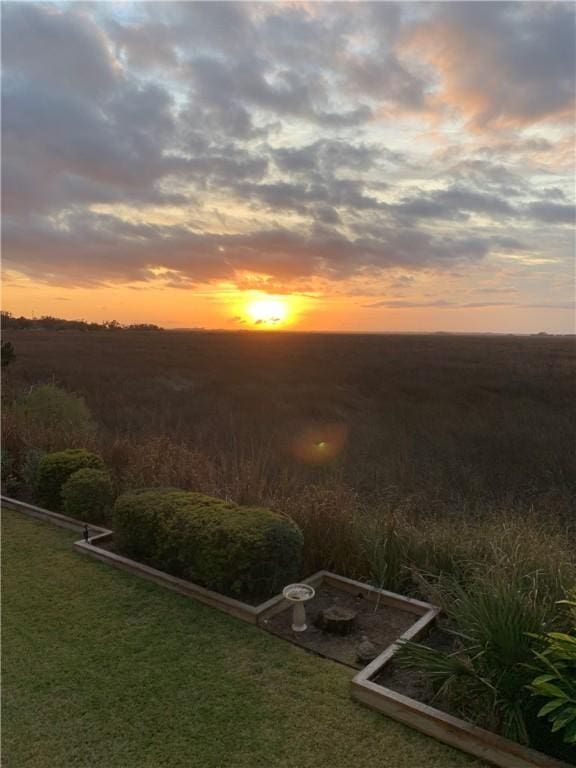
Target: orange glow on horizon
[(225, 307)]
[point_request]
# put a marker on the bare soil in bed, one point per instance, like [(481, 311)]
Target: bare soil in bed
[(413, 683), (382, 625)]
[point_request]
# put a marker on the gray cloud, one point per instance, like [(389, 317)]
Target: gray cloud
[(557, 213), (454, 203), (285, 92), (386, 80), (113, 249), (57, 144), (296, 196), (327, 156), (65, 50), (239, 113)]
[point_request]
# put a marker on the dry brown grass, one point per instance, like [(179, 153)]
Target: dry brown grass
[(467, 441)]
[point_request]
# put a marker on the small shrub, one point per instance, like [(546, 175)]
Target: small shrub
[(49, 417), (88, 494), (55, 468), (241, 551)]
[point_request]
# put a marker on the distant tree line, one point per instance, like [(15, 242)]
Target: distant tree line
[(9, 322)]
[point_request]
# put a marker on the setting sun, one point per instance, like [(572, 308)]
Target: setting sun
[(267, 312)]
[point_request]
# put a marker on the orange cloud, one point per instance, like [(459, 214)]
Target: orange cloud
[(499, 66)]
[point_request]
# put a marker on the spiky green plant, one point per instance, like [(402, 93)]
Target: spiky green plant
[(382, 548), (496, 622)]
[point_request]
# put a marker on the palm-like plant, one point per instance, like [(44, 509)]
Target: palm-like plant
[(496, 622), (557, 679)]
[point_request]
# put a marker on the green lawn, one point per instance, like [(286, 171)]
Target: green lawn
[(102, 669)]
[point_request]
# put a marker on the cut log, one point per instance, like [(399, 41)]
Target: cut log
[(337, 620)]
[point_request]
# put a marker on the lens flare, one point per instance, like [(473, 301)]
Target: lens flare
[(319, 444)]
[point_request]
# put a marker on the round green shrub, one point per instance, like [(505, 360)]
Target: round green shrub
[(246, 552), (88, 495), (55, 468)]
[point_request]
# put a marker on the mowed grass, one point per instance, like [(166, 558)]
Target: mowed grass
[(104, 669)]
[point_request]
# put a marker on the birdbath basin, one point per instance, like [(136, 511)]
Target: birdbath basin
[(298, 594)]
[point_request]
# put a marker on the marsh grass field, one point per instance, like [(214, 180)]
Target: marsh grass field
[(435, 433)]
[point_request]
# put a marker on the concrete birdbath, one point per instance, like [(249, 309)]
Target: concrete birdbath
[(298, 594)]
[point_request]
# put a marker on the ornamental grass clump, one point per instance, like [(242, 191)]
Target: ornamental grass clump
[(496, 622), (247, 552), (54, 469), (383, 550), (88, 495)]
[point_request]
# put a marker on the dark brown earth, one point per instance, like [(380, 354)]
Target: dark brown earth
[(382, 626), (413, 683)]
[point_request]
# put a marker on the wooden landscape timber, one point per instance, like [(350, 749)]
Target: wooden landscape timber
[(451, 730), (90, 547), (51, 517), (372, 594), (253, 614)]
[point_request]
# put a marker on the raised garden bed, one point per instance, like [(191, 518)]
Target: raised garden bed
[(100, 547), (405, 696), (395, 616), (378, 616)]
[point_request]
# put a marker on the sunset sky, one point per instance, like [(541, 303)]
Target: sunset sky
[(307, 166)]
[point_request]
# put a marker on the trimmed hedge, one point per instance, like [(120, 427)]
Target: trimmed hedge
[(88, 495), (55, 468), (246, 552)]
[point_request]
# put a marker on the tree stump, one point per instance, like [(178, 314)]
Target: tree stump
[(337, 620)]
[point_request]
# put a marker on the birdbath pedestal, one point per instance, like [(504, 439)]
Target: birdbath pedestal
[(298, 594)]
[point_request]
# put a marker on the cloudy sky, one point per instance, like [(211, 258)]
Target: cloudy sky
[(364, 166)]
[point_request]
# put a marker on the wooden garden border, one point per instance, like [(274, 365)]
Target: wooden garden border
[(236, 608), (52, 517), (253, 614), (440, 725)]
